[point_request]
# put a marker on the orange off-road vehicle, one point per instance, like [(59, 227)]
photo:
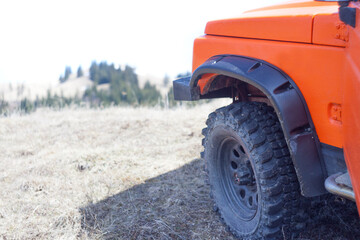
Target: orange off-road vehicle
[(293, 129)]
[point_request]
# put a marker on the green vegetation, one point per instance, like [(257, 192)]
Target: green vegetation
[(26, 105), (66, 76), (112, 86), (149, 95), (171, 100), (4, 106), (80, 72), (166, 81), (123, 87)]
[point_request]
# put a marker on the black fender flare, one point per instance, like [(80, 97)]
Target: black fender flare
[(290, 107)]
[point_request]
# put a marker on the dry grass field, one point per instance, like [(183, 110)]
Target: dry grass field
[(117, 173)]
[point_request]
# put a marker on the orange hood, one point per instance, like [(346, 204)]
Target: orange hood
[(292, 22)]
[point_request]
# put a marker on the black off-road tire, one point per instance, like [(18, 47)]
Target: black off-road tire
[(253, 181)]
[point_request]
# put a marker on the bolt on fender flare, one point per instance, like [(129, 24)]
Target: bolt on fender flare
[(290, 107)]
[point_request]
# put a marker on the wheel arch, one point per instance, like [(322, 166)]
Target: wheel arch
[(286, 98)]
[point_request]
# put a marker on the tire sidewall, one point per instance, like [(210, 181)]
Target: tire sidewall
[(220, 132)]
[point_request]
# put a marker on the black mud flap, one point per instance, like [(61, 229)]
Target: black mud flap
[(183, 91)]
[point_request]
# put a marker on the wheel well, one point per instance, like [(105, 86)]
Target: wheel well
[(224, 86), (248, 79)]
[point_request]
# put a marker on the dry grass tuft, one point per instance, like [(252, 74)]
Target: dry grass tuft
[(117, 173)]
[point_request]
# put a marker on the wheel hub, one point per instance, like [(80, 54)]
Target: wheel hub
[(239, 178), (244, 175)]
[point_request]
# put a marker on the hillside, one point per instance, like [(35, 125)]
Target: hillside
[(117, 173), (15, 92)]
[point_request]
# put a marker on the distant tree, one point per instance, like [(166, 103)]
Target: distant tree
[(130, 75), (166, 80), (48, 101), (67, 72), (124, 86), (3, 106), (37, 102), (94, 70), (149, 94), (26, 105), (61, 79), (65, 77), (171, 100), (80, 72), (20, 90), (104, 73)]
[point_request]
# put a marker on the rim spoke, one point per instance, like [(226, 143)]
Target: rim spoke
[(235, 156), (245, 159), (250, 201), (240, 149), (239, 154)]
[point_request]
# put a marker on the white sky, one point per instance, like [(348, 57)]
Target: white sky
[(39, 38)]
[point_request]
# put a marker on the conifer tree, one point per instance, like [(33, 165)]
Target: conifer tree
[(67, 72), (80, 72)]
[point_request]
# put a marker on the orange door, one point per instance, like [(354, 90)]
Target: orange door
[(351, 105)]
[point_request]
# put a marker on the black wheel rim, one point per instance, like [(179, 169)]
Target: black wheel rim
[(238, 179)]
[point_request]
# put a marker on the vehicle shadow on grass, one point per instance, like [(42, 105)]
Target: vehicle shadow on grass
[(176, 205)]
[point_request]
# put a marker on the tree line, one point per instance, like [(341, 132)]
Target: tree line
[(122, 89), (123, 86)]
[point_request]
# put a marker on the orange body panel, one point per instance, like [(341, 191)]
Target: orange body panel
[(286, 24), (297, 29), (316, 70), (306, 40), (351, 106), (329, 30)]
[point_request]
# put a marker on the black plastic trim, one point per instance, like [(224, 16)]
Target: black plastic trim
[(183, 91), (348, 15), (334, 159), (290, 107)]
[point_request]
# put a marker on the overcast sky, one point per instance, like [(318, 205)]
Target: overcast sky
[(39, 38)]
